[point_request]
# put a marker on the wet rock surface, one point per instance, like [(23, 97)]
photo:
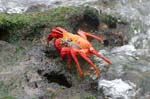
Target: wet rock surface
[(42, 76), (127, 66), (39, 72), (21, 6), (52, 70), (117, 88)]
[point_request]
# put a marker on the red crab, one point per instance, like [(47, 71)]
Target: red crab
[(70, 45)]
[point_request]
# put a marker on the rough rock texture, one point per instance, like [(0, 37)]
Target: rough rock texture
[(117, 89), (128, 64), (32, 70)]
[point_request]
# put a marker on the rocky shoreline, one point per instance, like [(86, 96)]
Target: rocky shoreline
[(32, 70)]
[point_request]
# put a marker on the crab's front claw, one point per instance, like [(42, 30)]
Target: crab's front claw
[(60, 29), (50, 37), (57, 44), (55, 33)]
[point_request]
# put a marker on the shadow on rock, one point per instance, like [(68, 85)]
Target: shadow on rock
[(50, 68)]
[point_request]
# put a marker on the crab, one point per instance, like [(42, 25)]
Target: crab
[(72, 45)]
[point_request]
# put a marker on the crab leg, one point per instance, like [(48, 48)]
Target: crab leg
[(91, 63), (99, 55), (69, 62), (65, 51), (61, 29), (85, 34), (73, 54), (82, 34)]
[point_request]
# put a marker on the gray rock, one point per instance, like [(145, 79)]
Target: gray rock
[(5, 46), (117, 89), (7, 53), (37, 8), (50, 67), (22, 6)]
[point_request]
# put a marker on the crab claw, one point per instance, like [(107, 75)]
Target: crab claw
[(60, 29), (58, 32), (55, 33)]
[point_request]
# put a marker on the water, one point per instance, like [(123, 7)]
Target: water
[(21, 6), (138, 13)]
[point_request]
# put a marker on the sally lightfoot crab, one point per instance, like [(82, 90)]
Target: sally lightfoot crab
[(70, 45)]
